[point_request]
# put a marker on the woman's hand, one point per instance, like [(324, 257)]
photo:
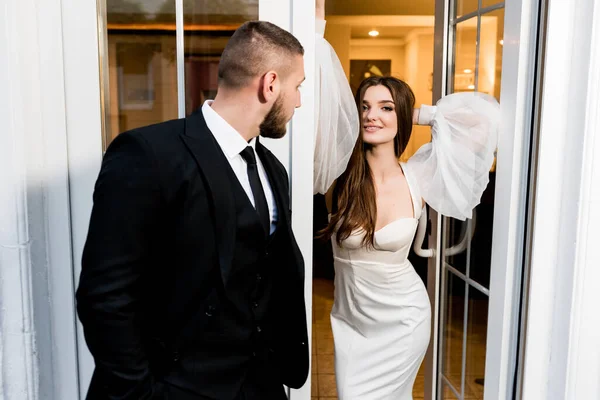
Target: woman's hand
[(320, 9)]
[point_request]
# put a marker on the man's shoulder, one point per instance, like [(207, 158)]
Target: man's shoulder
[(158, 134), (162, 140)]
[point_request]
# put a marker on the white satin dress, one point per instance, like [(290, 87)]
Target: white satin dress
[(381, 313)]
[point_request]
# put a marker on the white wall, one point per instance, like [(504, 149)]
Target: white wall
[(37, 335), (419, 75), (562, 354)]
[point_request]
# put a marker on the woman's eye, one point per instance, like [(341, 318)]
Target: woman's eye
[(388, 109), (365, 108)]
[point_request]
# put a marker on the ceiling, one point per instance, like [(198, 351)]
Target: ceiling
[(380, 7), (385, 32)]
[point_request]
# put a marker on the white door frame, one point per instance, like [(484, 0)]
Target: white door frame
[(84, 138), (519, 55), (510, 218), (562, 353), (296, 150)]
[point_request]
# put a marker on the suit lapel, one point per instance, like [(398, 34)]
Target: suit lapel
[(213, 166), (281, 192)]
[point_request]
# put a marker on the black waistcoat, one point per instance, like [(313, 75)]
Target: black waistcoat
[(233, 330)]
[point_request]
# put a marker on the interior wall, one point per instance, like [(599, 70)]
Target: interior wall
[(394, 53), (419, 76), (339, 35)]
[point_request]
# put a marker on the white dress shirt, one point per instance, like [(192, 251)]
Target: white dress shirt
[(232, 144)]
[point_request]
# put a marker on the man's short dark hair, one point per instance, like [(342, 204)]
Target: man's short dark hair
[(255, 48)]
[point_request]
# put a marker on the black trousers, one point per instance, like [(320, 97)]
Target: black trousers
[(261, 383), (250, 391)]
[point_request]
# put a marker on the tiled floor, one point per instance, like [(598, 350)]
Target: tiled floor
[(323, 378)]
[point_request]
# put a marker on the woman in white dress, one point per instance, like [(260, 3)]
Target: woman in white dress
[(381, 312)]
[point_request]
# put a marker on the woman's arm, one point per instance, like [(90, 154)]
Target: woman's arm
[(416, 116), (424, 115), (320, 9)]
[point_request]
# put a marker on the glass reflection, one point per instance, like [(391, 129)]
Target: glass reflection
[(142, 61)]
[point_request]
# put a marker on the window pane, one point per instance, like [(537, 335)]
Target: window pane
[(454, 240), (465, 56), (481, 243), (208, 26), (490, 52), (448, 393), (142, 69), (142, 57), (464, 7), (487, 3), (453, 329), (476, 343)]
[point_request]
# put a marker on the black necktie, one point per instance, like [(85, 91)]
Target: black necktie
[(260, 201)]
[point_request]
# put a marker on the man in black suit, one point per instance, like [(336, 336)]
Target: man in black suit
[(192, 284)]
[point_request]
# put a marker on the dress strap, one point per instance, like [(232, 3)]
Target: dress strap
[(413, 188)]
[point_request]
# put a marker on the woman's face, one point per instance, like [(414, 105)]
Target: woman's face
[(379, 120)]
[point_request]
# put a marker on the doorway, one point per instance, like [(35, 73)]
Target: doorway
[(384, 38), (395, 38)]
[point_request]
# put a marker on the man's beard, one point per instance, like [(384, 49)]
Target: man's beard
[(274, 124)]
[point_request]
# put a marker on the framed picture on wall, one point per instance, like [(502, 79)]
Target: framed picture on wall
[(362, 69), (135, 74)]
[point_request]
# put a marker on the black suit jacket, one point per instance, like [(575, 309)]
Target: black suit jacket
[(161, 236)]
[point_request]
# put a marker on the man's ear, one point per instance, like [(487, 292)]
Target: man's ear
[(271, 86)]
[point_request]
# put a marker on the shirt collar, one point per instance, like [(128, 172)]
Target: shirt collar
[(231, 141)]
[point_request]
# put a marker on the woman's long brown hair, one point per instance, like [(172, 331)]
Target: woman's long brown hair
[(354, 200)]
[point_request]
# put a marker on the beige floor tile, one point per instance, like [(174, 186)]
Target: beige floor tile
[(327, 385), (314, 387), (419, 387), (324, 346), (326, 364)]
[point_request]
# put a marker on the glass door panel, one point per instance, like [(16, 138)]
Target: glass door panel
[(208, 26), (139, 57), (139, 77), (473, 63)]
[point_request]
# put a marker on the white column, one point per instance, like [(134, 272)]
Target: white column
[(20, 90), (37, 337), (84, 138), (295, 150), (302, 137), (562, 352), (518, 77), (583, 368)]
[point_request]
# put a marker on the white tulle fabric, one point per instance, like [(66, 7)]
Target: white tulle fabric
[(452, 171), (337, 117)]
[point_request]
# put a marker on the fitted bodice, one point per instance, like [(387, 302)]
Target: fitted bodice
[(391, 244), (371, 281)]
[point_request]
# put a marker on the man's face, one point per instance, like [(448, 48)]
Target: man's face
[(282, 111)]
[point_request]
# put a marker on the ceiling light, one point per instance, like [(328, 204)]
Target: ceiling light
[(374, 33), (501, 42), (467, 71)]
